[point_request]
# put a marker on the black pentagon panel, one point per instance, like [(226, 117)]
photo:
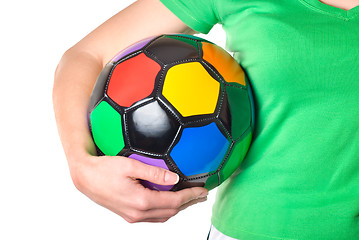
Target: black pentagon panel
[(169, 50), (151, 129), (99, 90), (225, 114), (183, 183), (184, 38)]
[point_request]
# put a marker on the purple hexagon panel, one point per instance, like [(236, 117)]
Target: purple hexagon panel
[(153, 162), (134, 47)]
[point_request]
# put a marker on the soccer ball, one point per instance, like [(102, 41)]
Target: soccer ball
[(178, 102)]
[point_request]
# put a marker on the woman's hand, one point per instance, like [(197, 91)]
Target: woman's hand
[(113, 182)]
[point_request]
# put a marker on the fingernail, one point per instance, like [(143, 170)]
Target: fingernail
[(171, 177)]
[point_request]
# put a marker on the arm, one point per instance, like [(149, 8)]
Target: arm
[(112, 181)]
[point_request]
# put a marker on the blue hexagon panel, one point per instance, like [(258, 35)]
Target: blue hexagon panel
[(200, 149)]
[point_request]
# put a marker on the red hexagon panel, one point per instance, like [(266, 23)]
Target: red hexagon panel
[(133, 80)]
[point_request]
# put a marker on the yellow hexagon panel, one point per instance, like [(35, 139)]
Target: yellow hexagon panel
[(225, 64), (191, 89)]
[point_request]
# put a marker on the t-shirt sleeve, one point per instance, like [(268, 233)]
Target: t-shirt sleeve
[(200, 15)]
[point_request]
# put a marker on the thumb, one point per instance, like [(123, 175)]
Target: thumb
[(153, 174)]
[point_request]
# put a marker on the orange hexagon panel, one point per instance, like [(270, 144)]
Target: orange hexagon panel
[(191, 89), (224, 63)]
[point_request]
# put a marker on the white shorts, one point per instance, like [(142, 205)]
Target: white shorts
[(214, 234)]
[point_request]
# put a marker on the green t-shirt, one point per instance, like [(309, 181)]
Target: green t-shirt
[(300, 179)]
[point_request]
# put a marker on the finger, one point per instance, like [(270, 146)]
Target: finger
[(150, 215), (193, 202), (156, 220), (152, 174), (173, 200), (158, 214), (162, 215)]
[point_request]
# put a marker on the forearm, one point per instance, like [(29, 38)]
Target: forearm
[(74, 80)]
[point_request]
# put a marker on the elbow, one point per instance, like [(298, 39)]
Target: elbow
[(60, 72), (57, 75)]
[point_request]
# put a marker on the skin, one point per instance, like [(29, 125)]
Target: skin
[(343, 4), (112, 182)]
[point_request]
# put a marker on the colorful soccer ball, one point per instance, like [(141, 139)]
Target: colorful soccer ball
[(178, 102)]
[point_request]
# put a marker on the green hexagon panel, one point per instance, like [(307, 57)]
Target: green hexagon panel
[(106, 126), (240, 108), (235, 158)]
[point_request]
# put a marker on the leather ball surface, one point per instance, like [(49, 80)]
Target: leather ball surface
[(178, 102)]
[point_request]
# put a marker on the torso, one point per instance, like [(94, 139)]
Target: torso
[(300, 177), (343, 4)]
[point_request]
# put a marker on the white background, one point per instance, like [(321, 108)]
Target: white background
[(37, 197)]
